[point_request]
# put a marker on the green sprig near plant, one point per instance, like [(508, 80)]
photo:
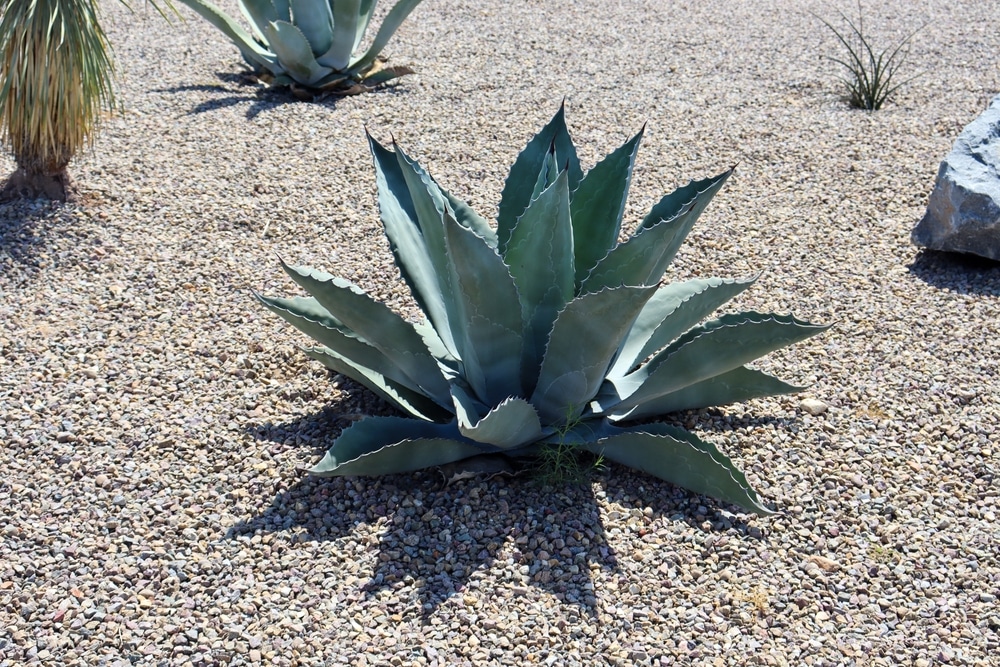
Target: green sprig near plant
[(542, 332), (871, 76), (562, 461)]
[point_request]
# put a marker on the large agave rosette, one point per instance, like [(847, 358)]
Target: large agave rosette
[(542, 331)]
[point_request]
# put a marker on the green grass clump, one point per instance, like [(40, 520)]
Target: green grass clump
[(871, 77)]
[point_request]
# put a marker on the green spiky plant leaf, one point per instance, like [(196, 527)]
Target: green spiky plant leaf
[(544, 334), (312, 46)]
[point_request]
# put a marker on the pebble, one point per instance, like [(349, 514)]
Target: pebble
[(813, 406), (825, 564), (156, 419)]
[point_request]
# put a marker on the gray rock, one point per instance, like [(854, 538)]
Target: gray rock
[(963, 214)]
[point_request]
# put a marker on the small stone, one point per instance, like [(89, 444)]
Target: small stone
[(813, 406), (965, 395), (825, 564)]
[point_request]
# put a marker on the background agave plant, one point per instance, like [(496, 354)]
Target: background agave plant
[(310, 45), (542, 332)]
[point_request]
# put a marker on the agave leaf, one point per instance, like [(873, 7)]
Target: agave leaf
[(638, 261), (598, 205), (259, 13), (430, 207), (584, 339), (414, 402), (247, 45), (433, 342), (378, 325), (489, 320), (430, 201), (708, 350), (366, 10), (389, 445), (672, 310), (333, 82), (409, 247), (691, 198), (390, 24), (489, 315), (469, 218), (294, 52), (283, 9), (520, 184), (346, 19), (740, 384), (315, 20), (281, 80), (547, 174), (308, 316), (540, 257), (511, 424), (677, 456)]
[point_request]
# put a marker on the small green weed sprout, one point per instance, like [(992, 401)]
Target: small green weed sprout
[(564, 462), (871, 78)]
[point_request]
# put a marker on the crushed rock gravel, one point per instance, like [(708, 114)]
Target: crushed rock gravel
[(154, 420)]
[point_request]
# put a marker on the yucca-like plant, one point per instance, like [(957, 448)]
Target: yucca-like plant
[(312, 46), (56, 80), (542, 332)]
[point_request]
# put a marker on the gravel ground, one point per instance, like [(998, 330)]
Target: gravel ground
[(155, 419)]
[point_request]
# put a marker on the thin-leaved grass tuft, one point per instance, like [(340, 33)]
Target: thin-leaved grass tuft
[(871, 77)]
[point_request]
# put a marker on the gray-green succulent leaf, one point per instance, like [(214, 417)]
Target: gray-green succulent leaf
[(675, 455), (390, 445), (312, 44), (543, 331)]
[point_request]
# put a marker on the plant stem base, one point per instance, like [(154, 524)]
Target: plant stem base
[(24, 185)]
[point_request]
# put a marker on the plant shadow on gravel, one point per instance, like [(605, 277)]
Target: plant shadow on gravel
[(23, 227), (259, 96), (957, 272), (435, 537)]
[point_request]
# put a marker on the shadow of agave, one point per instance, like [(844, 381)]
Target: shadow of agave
[(545, 538), (236, 88), (433, 539), (957, 272), (261, 97)]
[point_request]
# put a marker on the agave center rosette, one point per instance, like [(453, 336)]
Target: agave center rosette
[(543, 330)]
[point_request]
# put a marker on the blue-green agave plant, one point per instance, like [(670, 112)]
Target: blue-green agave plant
[(312, 45), (542, 332)]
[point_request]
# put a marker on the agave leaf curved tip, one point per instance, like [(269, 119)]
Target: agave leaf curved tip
[(390, 445), (679, 457)]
